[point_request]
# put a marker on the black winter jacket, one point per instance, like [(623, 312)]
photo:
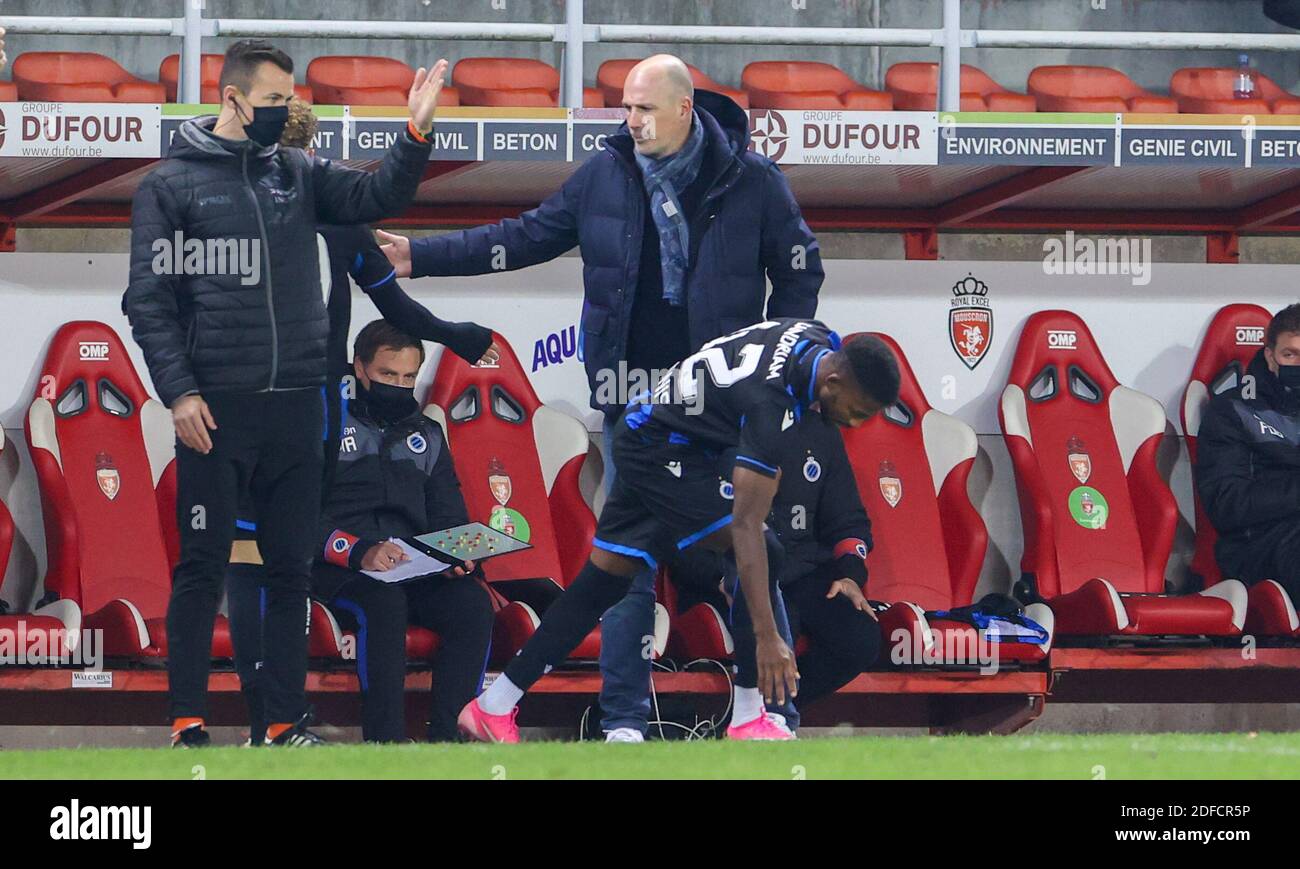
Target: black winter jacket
[(265, 327), (817, 513), (392, 480), (1248, 465), (353, 255)]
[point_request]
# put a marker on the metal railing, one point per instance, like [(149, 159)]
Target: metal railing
[(574, 33)]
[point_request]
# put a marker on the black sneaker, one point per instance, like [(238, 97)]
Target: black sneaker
[(297, 735), (193, 736)]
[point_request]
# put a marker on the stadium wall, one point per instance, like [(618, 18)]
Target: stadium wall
[(1148, 333), (1151, 69)]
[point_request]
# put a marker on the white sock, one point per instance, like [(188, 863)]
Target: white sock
[(501, 696), (748, 705)]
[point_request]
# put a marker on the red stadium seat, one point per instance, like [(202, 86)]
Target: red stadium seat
[(912, 463), (915, 86), (366, 81), (1234, 337), (698, 632), (513, 82), (80, 77), (1092, 89), (1209, 91), (169, 73), (58, 623), (1098, 517), (324, 637), (799, 84), (1230, 342), (518, 462), (1271, 612), (104, 453), (612, 74)]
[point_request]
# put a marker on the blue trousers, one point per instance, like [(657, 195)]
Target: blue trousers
[(627, 641)]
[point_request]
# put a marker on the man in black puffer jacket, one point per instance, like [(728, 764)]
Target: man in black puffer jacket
[(1248, 463), (224, 299), (353, 256)]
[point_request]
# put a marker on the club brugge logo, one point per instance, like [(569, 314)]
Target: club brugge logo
[(1080, 461), (726, 490), (340, 545), (812, 470), (768, 134), (416, 443), (970, 320), (110, 482), (891, 485), (860, 549), (499, 481)]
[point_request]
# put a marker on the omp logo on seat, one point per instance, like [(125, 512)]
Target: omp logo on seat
[(93, 351), (1062, 339), (1250, 336)]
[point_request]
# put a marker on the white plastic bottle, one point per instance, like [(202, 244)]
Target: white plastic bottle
[(1245, 88)]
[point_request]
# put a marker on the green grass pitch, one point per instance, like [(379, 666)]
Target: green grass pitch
[(1062, 756)]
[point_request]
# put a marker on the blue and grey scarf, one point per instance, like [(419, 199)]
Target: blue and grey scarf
[(664, 181)]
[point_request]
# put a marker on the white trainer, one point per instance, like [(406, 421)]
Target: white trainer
[(623, 734)]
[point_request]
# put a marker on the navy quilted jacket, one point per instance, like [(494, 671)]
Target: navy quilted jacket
[(748, 229)]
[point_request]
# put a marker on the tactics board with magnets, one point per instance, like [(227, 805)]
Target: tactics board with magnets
[(472, 542)]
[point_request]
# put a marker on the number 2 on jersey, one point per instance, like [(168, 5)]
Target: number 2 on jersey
[(715, 360)]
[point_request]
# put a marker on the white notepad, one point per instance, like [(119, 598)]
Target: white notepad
[(419, 565)]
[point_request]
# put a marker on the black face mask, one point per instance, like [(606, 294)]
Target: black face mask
[(267, 125), (389, 403), (1289, 376)]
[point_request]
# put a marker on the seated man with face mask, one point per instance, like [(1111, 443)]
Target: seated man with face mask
[(1248, 463), (395, 478)]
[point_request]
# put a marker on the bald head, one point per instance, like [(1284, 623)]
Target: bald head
[(662, 72), (660, 98)]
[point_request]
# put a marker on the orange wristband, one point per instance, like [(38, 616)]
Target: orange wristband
[(416, 134)]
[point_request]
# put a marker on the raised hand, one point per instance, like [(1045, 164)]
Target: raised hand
[(423, 98)]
